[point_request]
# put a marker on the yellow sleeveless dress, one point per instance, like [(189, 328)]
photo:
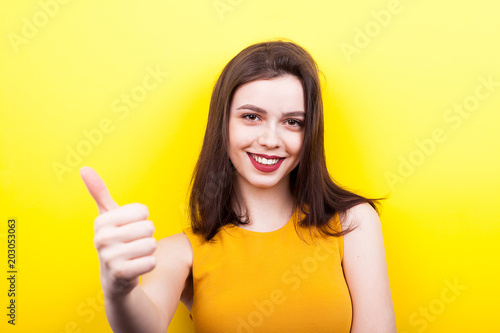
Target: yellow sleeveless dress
[(249, 281)]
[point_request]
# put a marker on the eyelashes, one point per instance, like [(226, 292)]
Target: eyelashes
[(292, 121), (296, 121), (249, 115)]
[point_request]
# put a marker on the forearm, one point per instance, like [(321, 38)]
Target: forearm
[(134, 313)]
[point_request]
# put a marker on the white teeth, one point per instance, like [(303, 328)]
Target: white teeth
[(264, 161)]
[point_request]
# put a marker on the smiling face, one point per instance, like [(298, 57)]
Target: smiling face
[(266, 130)]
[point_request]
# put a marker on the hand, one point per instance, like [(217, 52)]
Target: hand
[(123, 238)]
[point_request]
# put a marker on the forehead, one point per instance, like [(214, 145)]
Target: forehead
[(283, 93)]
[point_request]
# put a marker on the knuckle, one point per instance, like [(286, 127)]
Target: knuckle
[(149, 264), (147, 246), (97, 242), (143, 209), (103, 237), (118, 272), (153, 262), (106, 259), (99, 222), (151, 244), (149, 227)]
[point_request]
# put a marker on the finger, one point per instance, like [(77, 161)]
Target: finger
[(127, 233), (139, 248), (136, 230), (98, 190), (131, 269), (126, 251), (122, 215)]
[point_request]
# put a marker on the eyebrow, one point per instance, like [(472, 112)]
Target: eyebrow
[(261, 110)]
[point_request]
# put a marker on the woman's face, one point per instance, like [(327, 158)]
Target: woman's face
[(266, 130)]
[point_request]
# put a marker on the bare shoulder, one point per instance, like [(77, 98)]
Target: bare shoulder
[(178, 246), (367, 237), (363, 216), (365, 270), (170, 281)]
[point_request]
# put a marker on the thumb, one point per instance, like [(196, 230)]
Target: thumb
[(98, 190)]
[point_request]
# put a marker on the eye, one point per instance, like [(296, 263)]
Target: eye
[(250, 116), (294, 122)]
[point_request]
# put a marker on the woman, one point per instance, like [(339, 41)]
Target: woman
[(274, 244)]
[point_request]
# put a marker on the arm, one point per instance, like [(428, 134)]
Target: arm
[(365, 270), (151, 305), (126, 249), (133, 312), (167, 282)]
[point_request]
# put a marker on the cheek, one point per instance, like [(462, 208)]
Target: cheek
[(295, 144), (233, 134), (240, 136)]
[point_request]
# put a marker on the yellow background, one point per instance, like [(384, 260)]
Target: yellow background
[(393, 88)]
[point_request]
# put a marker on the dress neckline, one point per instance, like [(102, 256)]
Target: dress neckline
[(264, 233)]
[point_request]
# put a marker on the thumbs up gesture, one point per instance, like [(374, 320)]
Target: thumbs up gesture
[(123, 238)]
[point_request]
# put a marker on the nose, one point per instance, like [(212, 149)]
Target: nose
[(269, 137)]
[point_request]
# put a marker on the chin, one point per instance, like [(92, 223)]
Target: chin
[(267, 183), (264, 186)]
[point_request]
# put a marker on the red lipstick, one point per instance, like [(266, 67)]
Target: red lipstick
[(267, 156), (266, 168)]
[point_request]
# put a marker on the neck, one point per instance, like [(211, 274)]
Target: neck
[(268, 208)]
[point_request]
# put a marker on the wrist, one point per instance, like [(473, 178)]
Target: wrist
[(119, 289)]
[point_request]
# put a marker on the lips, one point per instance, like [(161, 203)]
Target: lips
[(267, 156), (263, 167)]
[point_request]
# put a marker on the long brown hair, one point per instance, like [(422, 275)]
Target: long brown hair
[(315, 193)]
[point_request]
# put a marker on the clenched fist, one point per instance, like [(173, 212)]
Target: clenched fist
[(123, 238)]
